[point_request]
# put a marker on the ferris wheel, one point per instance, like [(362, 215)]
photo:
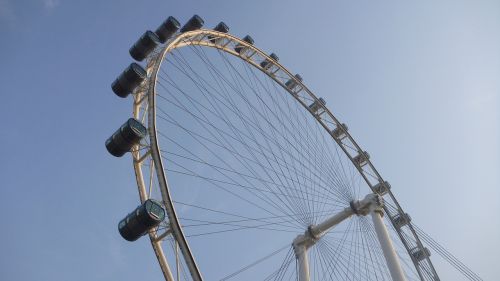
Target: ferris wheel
[(244, 173)]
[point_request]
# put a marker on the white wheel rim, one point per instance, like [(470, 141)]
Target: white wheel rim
[(145, 108)]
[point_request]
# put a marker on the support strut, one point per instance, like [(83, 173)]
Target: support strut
[(371, 204), (386, 244)]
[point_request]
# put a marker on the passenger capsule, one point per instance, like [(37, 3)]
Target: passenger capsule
[(145, 45), (382, 188), (148, 215), (292, 83), (220, 27), (266, 64), (361, 159), (130, 78), (196, 22), (128, 135), (317, 105), (240, 48), (167, 29), (401, 220), (339, 133), (420, 254)]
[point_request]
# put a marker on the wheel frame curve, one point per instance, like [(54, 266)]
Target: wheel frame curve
[(145, 106)]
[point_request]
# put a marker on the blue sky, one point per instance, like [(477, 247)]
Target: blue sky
[(417, 83)]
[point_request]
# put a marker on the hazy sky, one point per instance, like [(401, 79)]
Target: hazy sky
[(417, 83)]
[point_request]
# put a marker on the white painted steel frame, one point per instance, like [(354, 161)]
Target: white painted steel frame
[(144, 101), (303, 242), (390, 255), (371, 204)]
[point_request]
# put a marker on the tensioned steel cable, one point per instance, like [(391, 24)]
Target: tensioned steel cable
[(450, 258), (443, 252), (226, 125), (281, 95), (255, 263)]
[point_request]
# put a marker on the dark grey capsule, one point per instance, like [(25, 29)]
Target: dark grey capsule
[(167, 29), (144, 46), (267, 63), (148, 215), (240, 47), (220, 27), (196, 22), (291, 83), (128, 135), (128, 80)]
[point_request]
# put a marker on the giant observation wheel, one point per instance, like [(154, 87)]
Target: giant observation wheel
[(264, 182)]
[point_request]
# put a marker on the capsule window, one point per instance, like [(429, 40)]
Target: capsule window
[(155, 209), (137, 126)]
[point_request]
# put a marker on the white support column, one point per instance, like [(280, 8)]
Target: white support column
[(303, 263), (390, 255), (303, 242), (371, 204)]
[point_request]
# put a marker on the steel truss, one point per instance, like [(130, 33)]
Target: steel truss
[(144, 109)]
